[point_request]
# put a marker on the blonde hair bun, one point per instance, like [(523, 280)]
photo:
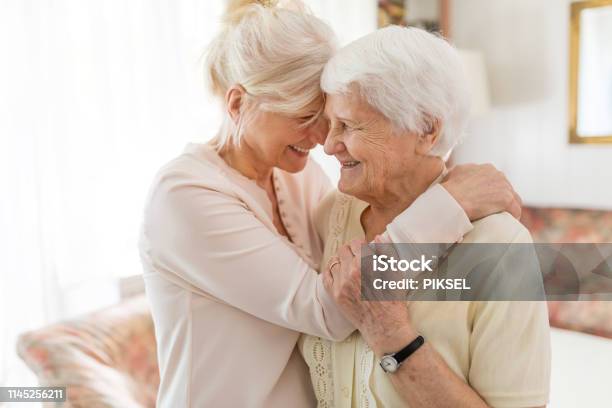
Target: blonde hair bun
[(237, 9), (276, 51)]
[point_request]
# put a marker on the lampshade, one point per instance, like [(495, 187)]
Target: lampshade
[(478, 83)]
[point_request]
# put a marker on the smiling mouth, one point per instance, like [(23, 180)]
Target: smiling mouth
[(299, 149), (350, 164)]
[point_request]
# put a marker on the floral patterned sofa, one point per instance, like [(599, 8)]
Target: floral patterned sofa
[(108, 358), (582, 226)]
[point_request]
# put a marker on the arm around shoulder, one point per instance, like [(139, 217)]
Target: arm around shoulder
[(434, 217), (213, 242)]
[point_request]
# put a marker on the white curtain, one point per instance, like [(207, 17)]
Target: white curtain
[(94, 96)]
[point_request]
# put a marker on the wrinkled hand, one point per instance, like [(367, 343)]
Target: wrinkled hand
[(385, 325), (482, 190)]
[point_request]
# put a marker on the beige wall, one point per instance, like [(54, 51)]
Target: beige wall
[(525, 44)]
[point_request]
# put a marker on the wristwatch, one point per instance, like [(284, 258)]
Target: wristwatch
[(391, 362)]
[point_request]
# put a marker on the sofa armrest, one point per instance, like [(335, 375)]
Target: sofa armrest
[(106, 358)]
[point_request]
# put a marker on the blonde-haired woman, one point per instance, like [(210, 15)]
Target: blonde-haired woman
[(228, 245)]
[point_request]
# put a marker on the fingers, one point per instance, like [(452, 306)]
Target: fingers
[(360, 249), (348, 273), (345, 255), (328, 281), (515, 210), (515, 207), (380, 239), (355, 246), (482, 190), (333, 262), (512, 202), (509, 200), (518, 199), (328, 277), (340, 273)]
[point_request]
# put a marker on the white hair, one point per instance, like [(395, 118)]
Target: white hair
[(410, 76), (276, 53)]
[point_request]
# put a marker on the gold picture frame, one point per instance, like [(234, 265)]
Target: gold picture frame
[(395, 12), (574, 59)]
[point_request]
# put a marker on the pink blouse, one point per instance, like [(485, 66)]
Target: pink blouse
[(230, 295)]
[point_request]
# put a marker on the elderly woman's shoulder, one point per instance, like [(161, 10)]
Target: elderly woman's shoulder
[(330, 200), (498, 228)]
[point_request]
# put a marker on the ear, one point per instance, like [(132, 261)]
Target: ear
[(427, 141), (234, 98)]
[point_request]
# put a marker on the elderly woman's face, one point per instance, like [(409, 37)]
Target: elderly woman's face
[(375, 158)]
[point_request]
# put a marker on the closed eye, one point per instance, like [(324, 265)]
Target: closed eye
[(337, 128), (341, 127)]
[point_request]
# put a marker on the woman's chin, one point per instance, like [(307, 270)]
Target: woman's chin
[(346, 186), (293, 166)]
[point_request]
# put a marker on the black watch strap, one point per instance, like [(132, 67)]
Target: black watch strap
[(407, 351)]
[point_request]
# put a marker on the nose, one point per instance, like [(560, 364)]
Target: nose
[(333, 144)]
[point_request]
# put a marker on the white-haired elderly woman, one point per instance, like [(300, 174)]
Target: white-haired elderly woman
[(228, 245), (397, 106)]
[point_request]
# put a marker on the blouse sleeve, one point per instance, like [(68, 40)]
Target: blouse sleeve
[(434, 217), (215, 243)]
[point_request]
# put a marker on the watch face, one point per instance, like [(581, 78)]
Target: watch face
[(389, 364)]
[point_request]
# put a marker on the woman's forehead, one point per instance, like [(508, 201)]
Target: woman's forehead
[(313, 108), (347, 106)]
